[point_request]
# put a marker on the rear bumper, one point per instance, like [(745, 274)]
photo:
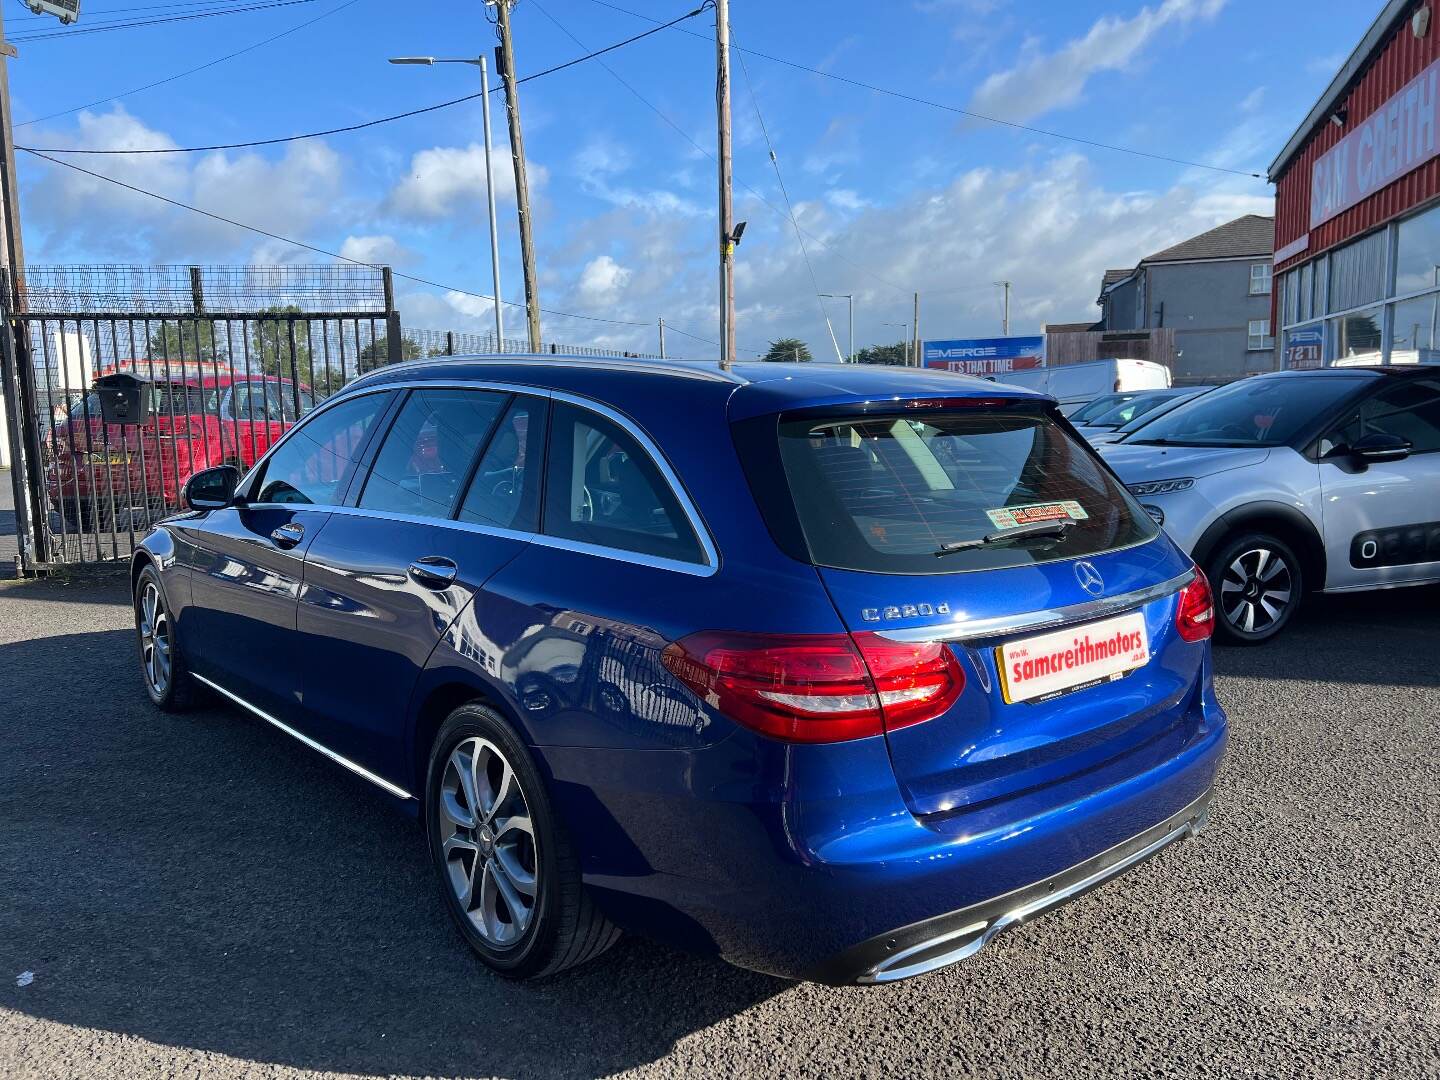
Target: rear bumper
[(938, 942)]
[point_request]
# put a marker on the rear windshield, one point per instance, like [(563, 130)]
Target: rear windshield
[(888, 494)]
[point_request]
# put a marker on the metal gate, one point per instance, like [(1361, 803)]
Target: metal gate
[(225, 381)]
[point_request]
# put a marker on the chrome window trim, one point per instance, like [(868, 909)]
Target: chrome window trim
[(963, 629), (339, 759), (420, 519), (710, 567)]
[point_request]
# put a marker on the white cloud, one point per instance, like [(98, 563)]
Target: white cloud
[(1043, 81), (846, 200), (446, 180), (74, 213), (375, 249), (602, 279)]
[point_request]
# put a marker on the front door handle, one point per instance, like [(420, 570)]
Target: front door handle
[(288, 535), (433, 572)]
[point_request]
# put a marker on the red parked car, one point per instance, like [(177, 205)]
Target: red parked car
[(202, 415)]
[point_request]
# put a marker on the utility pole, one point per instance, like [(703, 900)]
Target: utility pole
[(1005, 324), (12, 250), (727, 206), (915, 328), (662, 337), (506, 57)]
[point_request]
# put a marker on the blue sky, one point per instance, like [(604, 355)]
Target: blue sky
[(892, 196)]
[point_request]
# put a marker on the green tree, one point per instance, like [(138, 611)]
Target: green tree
[(787, 349), (377, 353), (884, 354), (179, 339), (270, 343)]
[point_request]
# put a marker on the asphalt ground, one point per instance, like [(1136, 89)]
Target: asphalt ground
[(201, 896)]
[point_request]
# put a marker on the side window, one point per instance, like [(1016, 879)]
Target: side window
[(602, 488), (315, 460), (427, 453), (505, 492), (248, 401), (1409, 409)]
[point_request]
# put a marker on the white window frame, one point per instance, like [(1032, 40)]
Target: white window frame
[(1265, 276), (1265, 339)]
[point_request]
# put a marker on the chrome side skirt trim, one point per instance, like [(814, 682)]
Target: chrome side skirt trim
[(969, 940), (358, 770), (963, 629)]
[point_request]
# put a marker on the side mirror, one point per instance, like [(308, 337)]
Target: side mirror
[(1377, 448), (212, 489)]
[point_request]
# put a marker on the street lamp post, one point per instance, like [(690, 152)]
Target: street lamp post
[(479, 62), (851, 298)]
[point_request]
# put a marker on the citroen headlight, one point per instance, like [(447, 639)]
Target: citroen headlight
[(1161, 487), (1156, 514)]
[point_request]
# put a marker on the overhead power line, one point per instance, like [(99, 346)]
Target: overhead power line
[(91, 12), (336, 255), (790, 209), (191, 71), (708, 152), (277, 140), (72, 32), (955, 109), (309, 247)]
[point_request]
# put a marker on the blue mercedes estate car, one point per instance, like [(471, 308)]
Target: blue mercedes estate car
[(836, 672)]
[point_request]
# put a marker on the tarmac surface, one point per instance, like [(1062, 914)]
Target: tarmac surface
[(201, 896)]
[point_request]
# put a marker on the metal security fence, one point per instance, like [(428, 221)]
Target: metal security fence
[(231, 358), (417, 343)]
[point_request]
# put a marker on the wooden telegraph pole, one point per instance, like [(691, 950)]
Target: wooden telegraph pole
[(12, 250), (506, 62), (727, 207)]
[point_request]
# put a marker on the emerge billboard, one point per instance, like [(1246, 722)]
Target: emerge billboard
[(985, 356)]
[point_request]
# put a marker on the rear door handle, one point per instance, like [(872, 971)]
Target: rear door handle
[(288, 535), (433, 572)]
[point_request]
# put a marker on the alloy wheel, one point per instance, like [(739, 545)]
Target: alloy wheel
[(488, 842), (1256, 590), (155, 643)]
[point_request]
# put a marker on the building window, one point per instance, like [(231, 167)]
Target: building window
[(1417, 253), (1357, 273), (1260, 279), (1260, 335), (1359, 338)]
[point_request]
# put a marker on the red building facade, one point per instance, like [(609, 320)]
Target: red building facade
[(1357, 205)]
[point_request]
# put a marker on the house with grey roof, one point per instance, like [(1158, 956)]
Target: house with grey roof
[(1212, 291)]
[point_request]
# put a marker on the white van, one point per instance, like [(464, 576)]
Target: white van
[(1073, 385)]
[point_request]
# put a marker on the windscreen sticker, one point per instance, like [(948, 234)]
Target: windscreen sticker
[(1012, 517)]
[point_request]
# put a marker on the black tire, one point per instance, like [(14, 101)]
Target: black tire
[(564, 927), (1258, 582), (179, 692)]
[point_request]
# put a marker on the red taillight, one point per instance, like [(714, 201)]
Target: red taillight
[(915, 682), (1195, 614), (822, 688)]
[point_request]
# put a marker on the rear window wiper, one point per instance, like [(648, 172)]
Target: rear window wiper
[(1035, 531)]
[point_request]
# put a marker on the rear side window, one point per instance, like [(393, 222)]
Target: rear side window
[(602, 488), (426, 456), (887, 494)]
